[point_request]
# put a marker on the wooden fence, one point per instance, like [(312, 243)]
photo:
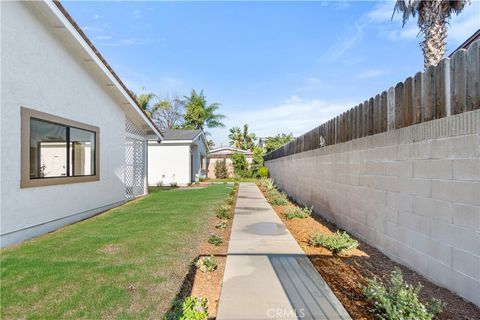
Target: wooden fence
[(451, 87)]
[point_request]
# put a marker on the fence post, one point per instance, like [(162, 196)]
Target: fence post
[(417, 97)]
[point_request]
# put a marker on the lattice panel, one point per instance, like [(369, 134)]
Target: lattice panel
[(132, 128), (135, 159)]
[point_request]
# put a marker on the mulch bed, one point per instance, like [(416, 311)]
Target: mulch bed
[(209, 284), (347, 273)]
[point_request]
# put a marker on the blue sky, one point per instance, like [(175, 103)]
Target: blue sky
[(278, 66)]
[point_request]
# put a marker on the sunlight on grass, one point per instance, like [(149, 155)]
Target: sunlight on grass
[(125, 263)]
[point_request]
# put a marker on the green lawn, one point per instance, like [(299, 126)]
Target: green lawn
[(126, 263)]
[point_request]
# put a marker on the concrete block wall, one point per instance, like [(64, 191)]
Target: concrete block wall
[(413, 193)]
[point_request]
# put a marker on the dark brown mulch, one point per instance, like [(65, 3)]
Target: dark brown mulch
[(347, 273)]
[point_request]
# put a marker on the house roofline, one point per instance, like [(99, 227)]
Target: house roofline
[(62, 14)]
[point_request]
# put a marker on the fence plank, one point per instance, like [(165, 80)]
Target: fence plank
[(383, 108), (429, 95), (407, 102), (440, 95), (391, 109), (473, 76), (417, 98), (458, 82), (398, 105)]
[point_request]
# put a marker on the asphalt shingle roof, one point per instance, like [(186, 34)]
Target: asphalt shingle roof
[(180, 134)]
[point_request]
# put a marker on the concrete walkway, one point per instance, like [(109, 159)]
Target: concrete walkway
[(267, 275)]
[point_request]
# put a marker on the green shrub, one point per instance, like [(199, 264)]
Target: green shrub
[(205, 264), (267, 184), (229, 201), (240, 165), (233, 192), (215, 240), (297, 212), (262, 172), (222, 224), (190, 308), (399, 300), (221, 170), (223, 212), (277, 198), (337, 242)]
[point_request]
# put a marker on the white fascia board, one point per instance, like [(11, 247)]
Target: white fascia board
[(68, 26)]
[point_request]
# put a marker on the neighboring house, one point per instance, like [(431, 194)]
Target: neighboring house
[(73, 139), (180, 158), (466, 44), (225, 153)]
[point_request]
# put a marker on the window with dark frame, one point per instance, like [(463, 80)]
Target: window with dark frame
[(58, 150)]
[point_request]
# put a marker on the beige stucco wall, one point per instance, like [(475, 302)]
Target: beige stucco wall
[(413, 193), (211, 162)]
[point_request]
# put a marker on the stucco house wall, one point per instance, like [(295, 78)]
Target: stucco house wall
[(168, 163), (176, 161), (224, 153), (43, 69)]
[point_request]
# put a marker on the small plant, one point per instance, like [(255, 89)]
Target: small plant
[(267, 184), (399, 300), (223, 212), (222, 224), (229, 201), (160, 183), (221, 170), (173, 184), (297, 212), (337, 242), (262, 172), (277, 198), (190, 308), (205, 264), (215, 240), (233, 192)]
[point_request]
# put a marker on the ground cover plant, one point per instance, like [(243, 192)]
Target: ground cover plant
[(337, 242), (222, 224), (297, 212), (267, 184), (190, 308), (129, 261), (399, 300), (206, 264), (215, 240), (223, 212), (277, 198)]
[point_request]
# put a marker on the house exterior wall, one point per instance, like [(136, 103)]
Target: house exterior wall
[(168, 163), (413, 193), (40, 73), (199, 152)]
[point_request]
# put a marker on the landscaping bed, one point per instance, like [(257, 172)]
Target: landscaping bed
[(207, 284), (347, 273), (128, 262)]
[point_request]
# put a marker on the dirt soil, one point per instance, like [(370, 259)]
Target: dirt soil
[(209, 284), (347, 273)]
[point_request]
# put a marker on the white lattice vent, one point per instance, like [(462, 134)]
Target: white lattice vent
[(135, 159), (132, 128)]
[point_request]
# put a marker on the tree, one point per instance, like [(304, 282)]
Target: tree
[(275, 142), (433, 16), (199, 114), (168, 113), (257, 161), (242, 139), (221, 170), (145, 101), (240, 165)]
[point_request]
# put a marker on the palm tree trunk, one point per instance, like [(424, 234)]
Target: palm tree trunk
[(434, 44)]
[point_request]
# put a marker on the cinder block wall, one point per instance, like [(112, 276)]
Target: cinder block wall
[(413, 193)]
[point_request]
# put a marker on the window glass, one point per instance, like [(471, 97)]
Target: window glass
[(82, 152), (48, 149)]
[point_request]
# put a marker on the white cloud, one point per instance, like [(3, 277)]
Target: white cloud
[(137, 14), (102, 38), (295, 116), (344, 44), (369, 74), (96, 16)]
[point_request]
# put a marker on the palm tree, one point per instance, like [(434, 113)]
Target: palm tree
[(199, 114), (242, 139), (145, 100), (433, 16)]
